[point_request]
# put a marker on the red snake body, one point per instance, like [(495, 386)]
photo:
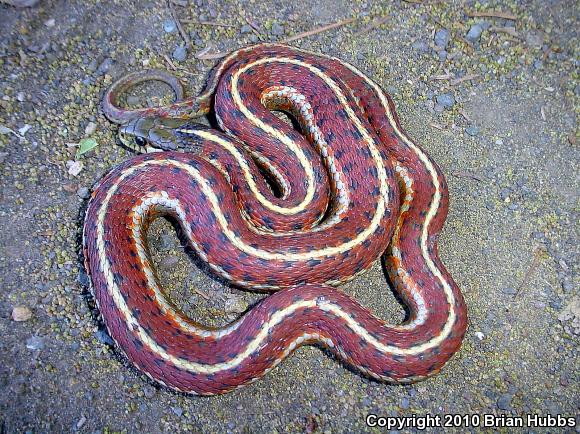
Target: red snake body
[(352, 184)]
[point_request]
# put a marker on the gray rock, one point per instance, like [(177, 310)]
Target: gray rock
[(103, 337), (447, 100), (472, 130), (169, 262), (105, 66), (277, 29), (504, 193), (504, 402), (83, 193), (22, 3), (509, 291), (442, 55), (180, 53), (149, 391), (83, 278), (246, 29), (177, 410), (169, 26), (474, 33), (442, 38), (35, 343), (167, 242), (534, 39), (405, 403)]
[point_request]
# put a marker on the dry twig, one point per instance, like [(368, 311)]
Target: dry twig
[(435, 125), (538, 251), (446, 76), (169, 62), (466, 77), (208, 23), (200, 292), (376, 22), (255, 27), (462, 174), (507, 30), (492, 14), (317, 30), (465, 115), (204, 55), (184, 35)]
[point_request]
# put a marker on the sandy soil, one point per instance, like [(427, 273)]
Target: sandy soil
[(493, 100)]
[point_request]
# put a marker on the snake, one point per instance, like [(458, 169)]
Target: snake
[(291, 207)]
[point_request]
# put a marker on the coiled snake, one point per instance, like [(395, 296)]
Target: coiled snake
[(348, 188)]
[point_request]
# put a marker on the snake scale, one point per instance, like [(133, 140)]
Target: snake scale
[(295, 210)]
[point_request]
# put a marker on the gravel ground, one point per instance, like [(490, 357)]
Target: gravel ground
[(493, 100)]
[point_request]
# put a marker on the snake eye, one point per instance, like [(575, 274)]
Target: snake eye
[(140, 141)]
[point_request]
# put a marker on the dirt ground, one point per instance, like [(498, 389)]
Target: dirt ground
[(493, 99)]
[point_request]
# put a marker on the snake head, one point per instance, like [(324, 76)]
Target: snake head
[(152, 134)]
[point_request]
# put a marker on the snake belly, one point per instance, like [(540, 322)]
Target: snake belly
[(353, 186)]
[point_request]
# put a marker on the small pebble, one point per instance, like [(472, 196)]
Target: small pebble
[(277, 29), (103, 337), (442, 55), (35, 343), (169, 26), (446, 100), (472, 130), (83, 278), (90, 128), (438, 108), (246, 28), (177, 410), (168, 262), (83, 193), (442, 38), (504, 193), (405, 403), (167, 242), (504, 402), (149, 391), (509, 291), (21, 313), (105, 66), (479, 335), (474, 32), (81, 422), (235, 305), (180, 53), (534, 39)]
